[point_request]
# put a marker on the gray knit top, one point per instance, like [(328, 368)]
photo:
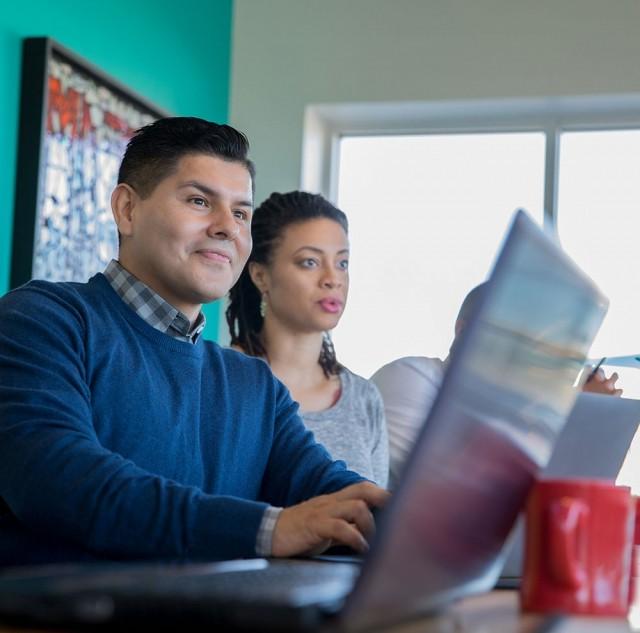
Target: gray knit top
[(354, 428)]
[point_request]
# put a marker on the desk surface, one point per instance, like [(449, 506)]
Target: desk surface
[(496, 612), (499, 612)]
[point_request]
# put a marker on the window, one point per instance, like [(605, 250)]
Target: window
[(426, 215), (429, 188), (599, 226)]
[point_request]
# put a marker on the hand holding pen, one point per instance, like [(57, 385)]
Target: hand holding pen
[(594, 371), (597, 382)]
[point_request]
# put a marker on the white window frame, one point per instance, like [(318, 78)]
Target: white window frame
[(326, 124)]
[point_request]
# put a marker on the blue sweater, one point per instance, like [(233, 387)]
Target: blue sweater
[(117, 441)]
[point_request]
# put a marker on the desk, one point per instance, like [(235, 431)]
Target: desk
[(498, 612), (495, 612)]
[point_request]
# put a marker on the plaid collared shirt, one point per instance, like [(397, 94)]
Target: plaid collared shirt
[(151, 307)]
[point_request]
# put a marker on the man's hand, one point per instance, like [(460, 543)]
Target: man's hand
[(599, 383), (343, 517)]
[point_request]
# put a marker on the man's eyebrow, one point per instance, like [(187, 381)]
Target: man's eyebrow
[(212, 193)]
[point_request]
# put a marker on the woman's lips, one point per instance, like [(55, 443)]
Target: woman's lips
[(332, 306)]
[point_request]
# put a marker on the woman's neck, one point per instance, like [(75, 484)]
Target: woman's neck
[(293, 356)]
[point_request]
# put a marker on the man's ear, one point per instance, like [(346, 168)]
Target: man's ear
[(258, 274), (123, 202)]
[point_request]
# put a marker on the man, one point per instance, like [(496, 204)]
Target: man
[(123, 434), (409, 387)]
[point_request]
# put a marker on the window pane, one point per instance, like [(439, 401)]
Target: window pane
[(427, 214), (599, 226)]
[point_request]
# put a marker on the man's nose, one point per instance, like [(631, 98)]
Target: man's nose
[(223, 225)]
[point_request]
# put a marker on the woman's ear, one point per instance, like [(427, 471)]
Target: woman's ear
[(258, 274), (123, 200)]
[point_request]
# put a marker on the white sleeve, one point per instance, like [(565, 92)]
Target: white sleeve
[(408, 387)]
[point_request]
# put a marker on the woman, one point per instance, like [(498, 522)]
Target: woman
[(290, 295)]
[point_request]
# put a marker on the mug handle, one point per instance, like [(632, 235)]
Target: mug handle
[(566, 534)]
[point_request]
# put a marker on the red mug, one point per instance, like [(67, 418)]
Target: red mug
[(578, 542), (634, 579)]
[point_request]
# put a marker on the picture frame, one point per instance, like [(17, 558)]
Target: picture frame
[(75, 122)]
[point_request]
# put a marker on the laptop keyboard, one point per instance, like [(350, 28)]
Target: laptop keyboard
[(291, 581), (296, 580), (255, 594)]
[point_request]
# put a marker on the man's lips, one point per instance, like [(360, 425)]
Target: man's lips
[(331, 305), (215, 256)]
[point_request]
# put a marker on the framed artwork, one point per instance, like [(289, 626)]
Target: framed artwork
[(75, 122)]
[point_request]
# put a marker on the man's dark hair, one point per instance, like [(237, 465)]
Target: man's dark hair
[(154, 150), (270, 220)]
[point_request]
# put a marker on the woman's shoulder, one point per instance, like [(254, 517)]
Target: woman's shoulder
[(358, 386), (348, 376)]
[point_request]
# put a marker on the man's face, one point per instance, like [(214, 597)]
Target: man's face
[(190, 239)]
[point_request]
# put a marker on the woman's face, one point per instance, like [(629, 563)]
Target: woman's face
[(305, 286)]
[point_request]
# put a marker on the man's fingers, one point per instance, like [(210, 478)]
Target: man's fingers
[(346, 533), (349, 522), (370, 493), (344, 517), (357, 512)]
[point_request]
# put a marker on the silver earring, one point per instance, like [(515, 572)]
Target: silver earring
[(326, 337), (263, 306)]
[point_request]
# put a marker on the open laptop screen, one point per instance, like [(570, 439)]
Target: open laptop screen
[(509, 387)]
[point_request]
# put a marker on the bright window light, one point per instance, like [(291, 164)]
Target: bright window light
[(599, 226), (427, 214)]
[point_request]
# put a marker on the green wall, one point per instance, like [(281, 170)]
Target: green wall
[(174, 53)]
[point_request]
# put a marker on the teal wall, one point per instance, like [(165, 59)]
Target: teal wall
[(174, 53)]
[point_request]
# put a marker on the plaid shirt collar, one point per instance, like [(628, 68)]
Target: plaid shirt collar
[(151, 307)]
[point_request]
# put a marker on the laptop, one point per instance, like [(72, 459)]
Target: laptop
[(504, 399), (593, 444)]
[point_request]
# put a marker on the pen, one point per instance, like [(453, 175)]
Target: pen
[(595, 369)]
